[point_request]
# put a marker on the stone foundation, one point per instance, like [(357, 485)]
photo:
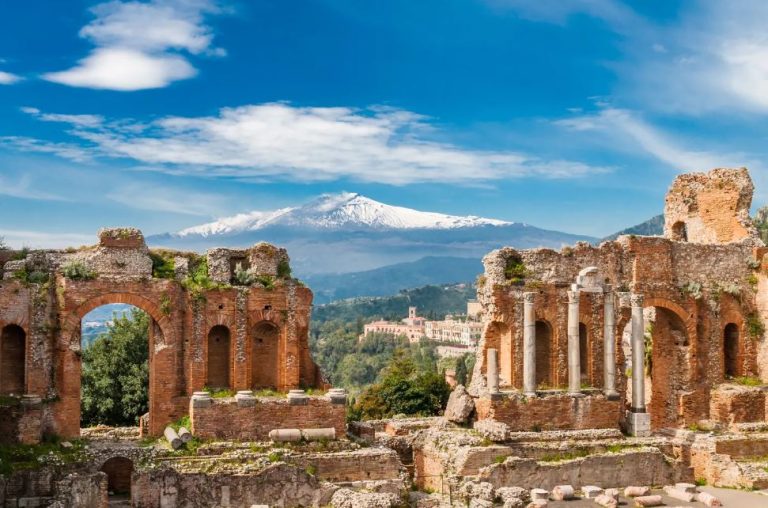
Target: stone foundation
[(229, 419), (731, 404), (551, 411), (21, 421)]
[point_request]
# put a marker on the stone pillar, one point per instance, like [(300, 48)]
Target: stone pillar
[(492, 371), (609, 346), (638, 355), (529, 345), (574, 356), (639, 422)]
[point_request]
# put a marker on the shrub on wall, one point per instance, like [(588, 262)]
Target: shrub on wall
[(76, 270)]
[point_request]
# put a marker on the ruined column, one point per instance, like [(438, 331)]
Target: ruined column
[(609, 346), (492, 371), (638, 355), (529, 345), (574, 357)]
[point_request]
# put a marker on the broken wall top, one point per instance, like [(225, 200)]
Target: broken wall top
[(710, 207)]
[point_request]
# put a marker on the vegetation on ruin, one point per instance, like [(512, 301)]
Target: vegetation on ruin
[(755, 326), (77, 270), (163, 265), (747, 381), (31, 277), (20, 254), (575, 453), (761, 223), (115, 375), (402, 388), (515, 270), (50, 452), (284, 269), (691, 290), (219, 393), (197, 282)]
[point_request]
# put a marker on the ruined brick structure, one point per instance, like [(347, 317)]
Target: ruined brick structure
[(700, 298), (232, 319)]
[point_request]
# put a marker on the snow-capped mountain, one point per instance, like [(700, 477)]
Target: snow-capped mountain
[(343, 233), (340, 211)]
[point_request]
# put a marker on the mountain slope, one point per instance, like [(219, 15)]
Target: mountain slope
[(652, 227), (349, 233), (388, 280)]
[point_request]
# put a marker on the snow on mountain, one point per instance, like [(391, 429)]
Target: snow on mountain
[(340, 211)]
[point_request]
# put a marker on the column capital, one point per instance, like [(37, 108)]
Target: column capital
[(573, 296), (607, 288), (636, 299), (529, 296)]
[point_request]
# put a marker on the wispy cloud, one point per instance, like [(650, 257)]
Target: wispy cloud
[(138, 44), (626, 128), (76, 120), (25, 188), (6, 78), (713, 57), (278, 141), (168, 199)]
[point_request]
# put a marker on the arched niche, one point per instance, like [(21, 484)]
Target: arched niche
[(218, 357), (265, 355), (13, 344), (543, 353)]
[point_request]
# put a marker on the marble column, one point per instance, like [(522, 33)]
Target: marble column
[(609, 346), (529, 345), (638, 354), (492, 371), (574, 355)]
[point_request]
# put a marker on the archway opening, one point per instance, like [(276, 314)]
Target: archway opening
[(119, 471), (680, 231), (218, 357), (13, 344), (667, 365), (731, 351), (543, 354), (114, 382), (264, 356), (584, 355)]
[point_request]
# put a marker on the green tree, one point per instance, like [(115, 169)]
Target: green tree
[(116, 373), (402, 389), (461, 371)]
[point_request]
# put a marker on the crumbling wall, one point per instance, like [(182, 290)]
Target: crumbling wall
[(710, 207), (226, 418)]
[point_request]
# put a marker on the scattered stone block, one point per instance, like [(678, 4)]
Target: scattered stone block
[(173, 438), (708, 499), (591, 491), (285, 435), (676, 493), (562, 492), (460, 406), (297, 398), (606, 501), (513, 493), (636, 491), (347, 498), (539, 495), (614, 493), (185, 435), (645, 501), (319, 434), (686, 487), (538, 503)]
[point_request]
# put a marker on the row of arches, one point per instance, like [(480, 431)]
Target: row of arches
[(731, 349), (264, 356)]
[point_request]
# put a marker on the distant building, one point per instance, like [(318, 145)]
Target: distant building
[(412, 327), (462, 331)]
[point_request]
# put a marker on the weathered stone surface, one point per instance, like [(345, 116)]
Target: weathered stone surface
[(634, 491), (346, 498), (645, 501), (476, 490), (460, 406)]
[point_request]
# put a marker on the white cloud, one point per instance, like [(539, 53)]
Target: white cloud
[(25, 188), (138, 44), (77, 120), (623, 127), (6, 78), (277, 141), (69, 151)]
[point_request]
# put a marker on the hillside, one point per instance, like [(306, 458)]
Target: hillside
[(388, 280), (652, 227)]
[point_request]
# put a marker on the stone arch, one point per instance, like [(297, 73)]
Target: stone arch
[(543, 353), (119, 471), (680, 231), (731, 351), (218, 358), (68, 371), (265, 354), (13, 346)]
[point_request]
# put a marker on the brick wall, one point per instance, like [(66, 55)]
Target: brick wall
[(225, 419), (737, 405), (20, 423), (551, 412)]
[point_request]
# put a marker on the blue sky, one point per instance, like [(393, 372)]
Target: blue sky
[(567, 115)]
